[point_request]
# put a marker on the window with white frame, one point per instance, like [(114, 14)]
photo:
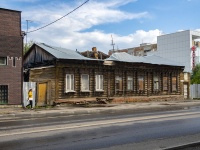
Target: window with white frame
[(130, 83), (85, 82), (99, 82), (3, 61), (69, 83), (118, 83), (155, 83)]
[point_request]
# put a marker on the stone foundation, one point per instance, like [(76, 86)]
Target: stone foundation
[(146, 99)]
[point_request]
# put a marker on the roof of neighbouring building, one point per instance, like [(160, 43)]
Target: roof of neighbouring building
[(10, 10), (152, 59), (90, 54)]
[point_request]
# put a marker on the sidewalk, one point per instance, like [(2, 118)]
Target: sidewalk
[(19, 112)]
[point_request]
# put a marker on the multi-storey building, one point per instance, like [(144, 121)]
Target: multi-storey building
[(11, 49), (141, 50), (178, 47), (182, 47)]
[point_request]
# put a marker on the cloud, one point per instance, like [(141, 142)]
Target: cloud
[(93, 13), (87, 40), (69, 32)]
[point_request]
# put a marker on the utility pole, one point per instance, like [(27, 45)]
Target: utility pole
[(112, 43), (27, 21)]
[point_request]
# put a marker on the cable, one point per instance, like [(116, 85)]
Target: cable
[(59, 18)]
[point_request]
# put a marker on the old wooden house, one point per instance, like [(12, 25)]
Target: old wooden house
[(63, 74)]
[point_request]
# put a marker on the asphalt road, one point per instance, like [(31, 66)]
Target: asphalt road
[(155, 130)]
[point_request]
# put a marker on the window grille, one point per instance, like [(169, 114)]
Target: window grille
[(3, 94)]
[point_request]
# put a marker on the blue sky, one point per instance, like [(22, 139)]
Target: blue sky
[(130, 22)]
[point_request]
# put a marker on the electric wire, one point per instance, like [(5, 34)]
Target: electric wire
[(59, 18)]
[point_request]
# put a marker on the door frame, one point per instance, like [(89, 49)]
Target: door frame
[(48, 91)]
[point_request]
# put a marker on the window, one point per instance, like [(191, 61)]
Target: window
[(130, 83), (3, 94), (141, 83), (165, 84), (99, 82), (3, 61), (155, 83), (69, 85), (84, 82), (118, 83), (174, 84)]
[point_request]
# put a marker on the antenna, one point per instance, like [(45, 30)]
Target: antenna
[(112, 43)]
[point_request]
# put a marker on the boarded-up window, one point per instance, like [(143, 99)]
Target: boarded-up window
[(141, 83), (69, 83), (130, 83), (99, 82), (84, 82), (174, 84), (165, 83), (118, 82), (155, 82)]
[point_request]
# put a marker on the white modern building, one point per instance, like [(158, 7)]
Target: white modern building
[(177, 47)]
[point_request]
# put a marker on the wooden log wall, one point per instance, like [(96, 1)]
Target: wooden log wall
[(109, 86)]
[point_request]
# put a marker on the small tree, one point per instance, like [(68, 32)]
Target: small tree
[(27, 46), (195, 77)]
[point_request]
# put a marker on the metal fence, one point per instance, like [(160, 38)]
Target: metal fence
[(195, 91)]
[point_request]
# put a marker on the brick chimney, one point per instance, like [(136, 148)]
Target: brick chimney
[(94, 49)]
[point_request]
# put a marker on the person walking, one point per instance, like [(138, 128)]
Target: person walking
[(30, 98)]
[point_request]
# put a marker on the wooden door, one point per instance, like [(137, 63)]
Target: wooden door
[(42, 94)]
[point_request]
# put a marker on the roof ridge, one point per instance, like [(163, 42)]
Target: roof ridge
[(55, 48)]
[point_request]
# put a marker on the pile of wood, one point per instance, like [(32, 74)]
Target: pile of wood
[(104, 100)]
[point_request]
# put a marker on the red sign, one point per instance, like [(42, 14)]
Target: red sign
[(193, 56), (193, 48)]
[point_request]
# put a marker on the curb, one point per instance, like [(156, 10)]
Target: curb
[(179, 147), (135, 109)]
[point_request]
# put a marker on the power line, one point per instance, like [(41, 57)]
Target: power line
[(59, 18)]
